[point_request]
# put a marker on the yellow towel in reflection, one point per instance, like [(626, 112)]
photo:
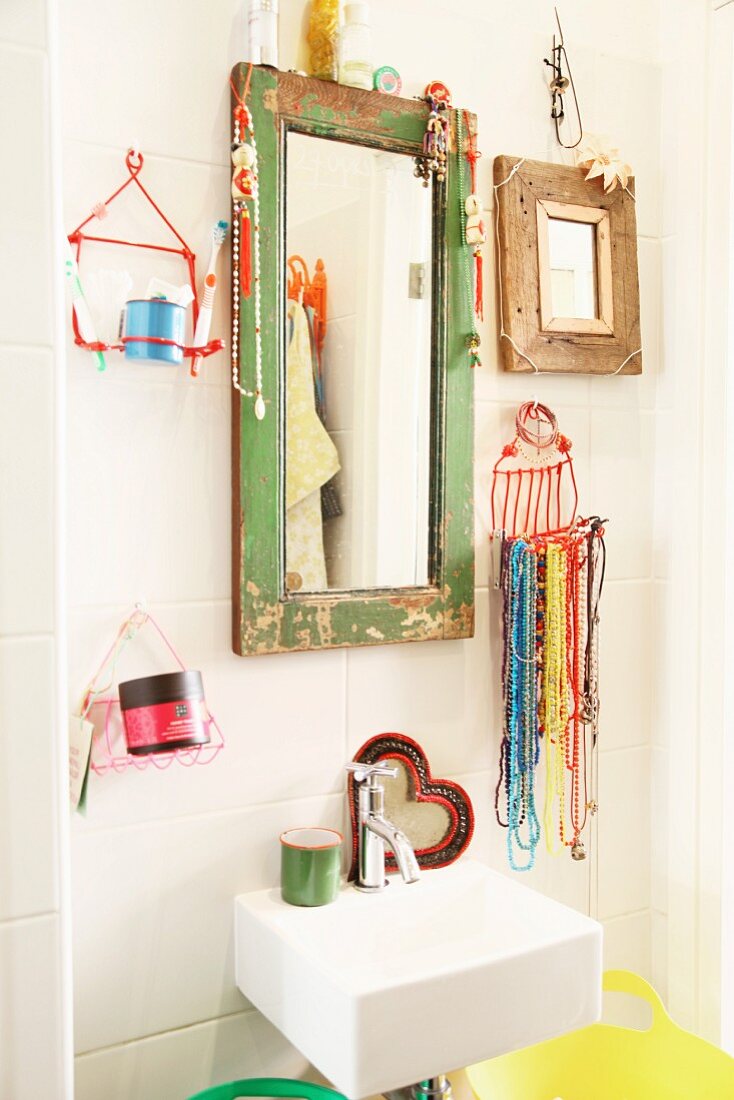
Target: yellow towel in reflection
[(311, 461)]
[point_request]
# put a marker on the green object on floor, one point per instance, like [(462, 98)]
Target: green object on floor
[(268, 1086), (612, 1063)]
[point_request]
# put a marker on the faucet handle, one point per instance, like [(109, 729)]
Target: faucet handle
[(369, 772)]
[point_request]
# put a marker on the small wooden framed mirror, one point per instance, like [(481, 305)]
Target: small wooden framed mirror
[(568, 284)]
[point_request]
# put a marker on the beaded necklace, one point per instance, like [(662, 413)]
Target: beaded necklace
[(576, 760), (551, 580), (551, 586), (554, 689), (242, 124), (472, 339), (521, 749)]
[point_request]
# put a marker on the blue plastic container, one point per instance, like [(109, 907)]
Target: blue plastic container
[(154, 317)]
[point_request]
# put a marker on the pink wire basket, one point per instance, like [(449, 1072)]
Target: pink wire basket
[(109, 752), (109, 747)]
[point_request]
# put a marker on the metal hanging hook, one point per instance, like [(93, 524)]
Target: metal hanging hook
[(560, 85)]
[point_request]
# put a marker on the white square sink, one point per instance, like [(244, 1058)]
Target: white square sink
[(383, 990)]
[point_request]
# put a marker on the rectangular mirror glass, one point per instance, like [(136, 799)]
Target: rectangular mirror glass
[(572, 254), (574, 268), (357, 346)]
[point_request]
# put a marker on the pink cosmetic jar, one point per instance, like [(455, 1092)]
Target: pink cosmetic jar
[(165, 712)]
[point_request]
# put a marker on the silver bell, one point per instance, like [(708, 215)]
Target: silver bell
[(578, 851), (560, 84)]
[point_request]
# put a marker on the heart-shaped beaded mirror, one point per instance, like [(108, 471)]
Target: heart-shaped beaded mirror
[(435, 814)]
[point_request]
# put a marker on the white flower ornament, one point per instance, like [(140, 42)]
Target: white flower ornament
[(603, 162)]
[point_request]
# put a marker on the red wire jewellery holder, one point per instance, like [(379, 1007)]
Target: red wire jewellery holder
[(109, 751), (534, 489), (134, 163)]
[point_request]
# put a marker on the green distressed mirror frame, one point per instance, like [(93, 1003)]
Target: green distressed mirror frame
[(266, 618)]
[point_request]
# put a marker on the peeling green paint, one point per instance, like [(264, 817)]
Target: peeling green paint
[(265, 620)]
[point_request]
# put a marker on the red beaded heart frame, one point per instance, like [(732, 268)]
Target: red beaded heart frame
[(397, 746)]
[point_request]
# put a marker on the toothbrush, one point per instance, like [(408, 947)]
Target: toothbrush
[(201, 335), (79, 304)]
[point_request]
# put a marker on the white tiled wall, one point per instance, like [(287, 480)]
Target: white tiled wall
[(160, 855), (32, 975)]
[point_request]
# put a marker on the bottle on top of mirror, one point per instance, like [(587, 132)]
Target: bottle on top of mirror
[(355, 67), (323, 39), (263, 32)]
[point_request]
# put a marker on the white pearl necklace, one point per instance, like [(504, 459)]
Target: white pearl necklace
[(259, 407), (540, 459)]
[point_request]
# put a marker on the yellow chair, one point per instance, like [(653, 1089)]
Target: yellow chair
[(612, 1063)]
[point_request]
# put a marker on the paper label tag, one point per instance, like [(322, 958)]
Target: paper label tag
[(80, 745)]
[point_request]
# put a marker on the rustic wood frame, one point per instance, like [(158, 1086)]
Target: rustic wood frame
[(266, 617), (525, 198)]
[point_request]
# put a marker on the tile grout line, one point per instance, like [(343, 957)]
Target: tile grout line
[(15, 346), (95, 830), (121, 150), (177, 819), (86, 608), (28, 636), (642, 745), (27, 918), (24, 47), (206, 1020), (647, 911)]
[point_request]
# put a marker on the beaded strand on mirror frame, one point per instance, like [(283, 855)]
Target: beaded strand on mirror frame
[(241, 124), (473, 341)]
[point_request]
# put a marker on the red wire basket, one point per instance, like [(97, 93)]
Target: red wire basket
[(533, 484), (134, 163)]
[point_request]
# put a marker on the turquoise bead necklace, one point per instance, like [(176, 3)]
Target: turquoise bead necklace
[(522, 749)]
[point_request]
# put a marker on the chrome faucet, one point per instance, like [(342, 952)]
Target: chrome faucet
[(375, 831)]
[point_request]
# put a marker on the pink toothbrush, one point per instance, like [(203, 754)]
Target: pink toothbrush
[(203, 324)]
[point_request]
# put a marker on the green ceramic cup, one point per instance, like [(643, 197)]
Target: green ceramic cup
[(310, 866)]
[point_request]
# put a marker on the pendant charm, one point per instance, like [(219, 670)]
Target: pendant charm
[(437, 90), (473, 343), (259, 407), (244, 181), (433, 162), (475, 230), (578, 851)]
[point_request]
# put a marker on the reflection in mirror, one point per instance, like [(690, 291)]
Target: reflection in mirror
[(357, 368), (572, 252), (426, 824)]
